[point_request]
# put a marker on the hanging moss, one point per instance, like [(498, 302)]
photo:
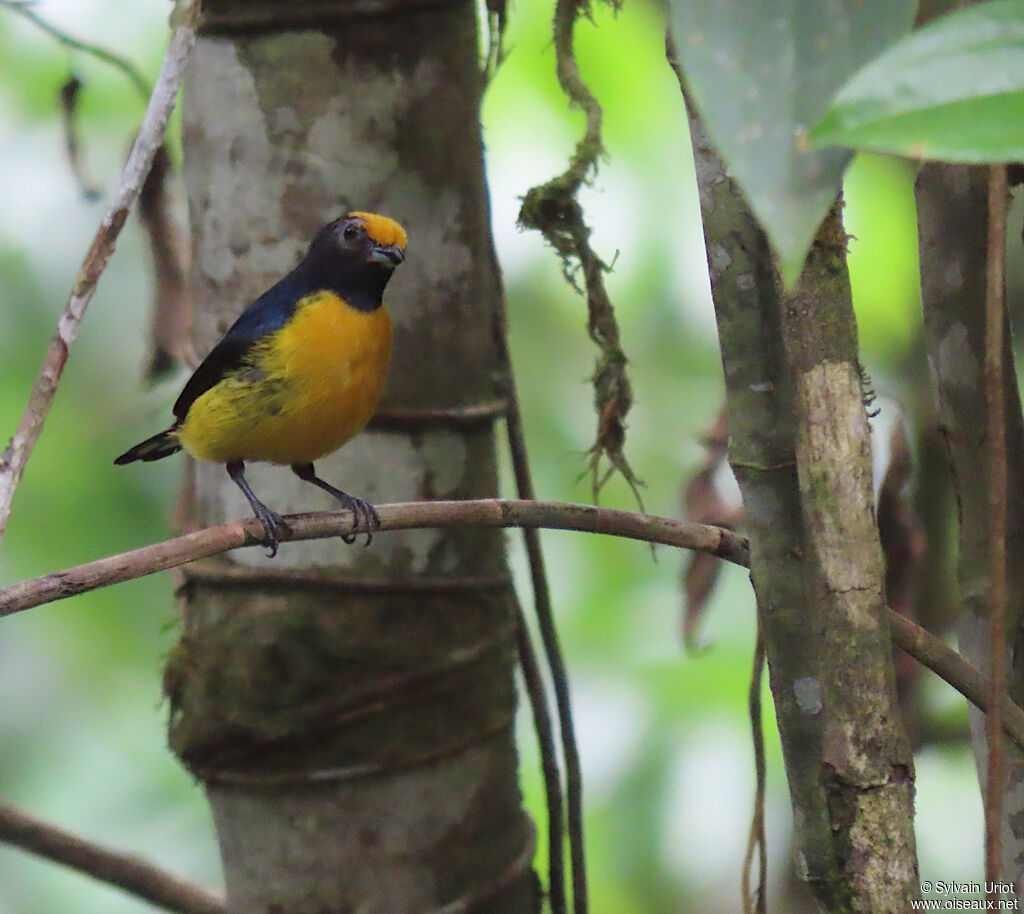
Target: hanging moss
[(553, 210)]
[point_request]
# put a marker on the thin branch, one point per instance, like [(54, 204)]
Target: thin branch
[(923, 646), (756, 901), (133, 73), (406, 516), (563, 700), (537, 695), (553, 652), (953, 668), (125, 871), (150, 136), (995, 397)]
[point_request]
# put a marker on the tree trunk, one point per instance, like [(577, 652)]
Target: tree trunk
[(952, 204), (800, 448), (348, 710), (952, 215)]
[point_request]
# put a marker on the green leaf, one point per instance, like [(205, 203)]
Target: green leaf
[(953, 91), (762, 72)]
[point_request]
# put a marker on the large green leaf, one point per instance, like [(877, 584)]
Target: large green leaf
[(762, 72), (954, 90)]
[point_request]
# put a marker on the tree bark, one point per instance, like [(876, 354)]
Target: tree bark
[(354, 739), (800, 449), (952, 203), (952, 214)]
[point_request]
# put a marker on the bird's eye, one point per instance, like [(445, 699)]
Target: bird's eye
[(351, 232)]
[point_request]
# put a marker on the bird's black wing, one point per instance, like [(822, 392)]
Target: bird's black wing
[(271, 311)]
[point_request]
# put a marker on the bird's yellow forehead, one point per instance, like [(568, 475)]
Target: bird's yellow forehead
[(382, 229)]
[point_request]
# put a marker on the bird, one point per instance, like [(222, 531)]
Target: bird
[(299, 373)]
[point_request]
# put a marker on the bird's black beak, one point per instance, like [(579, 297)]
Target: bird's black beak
[(391, 255)]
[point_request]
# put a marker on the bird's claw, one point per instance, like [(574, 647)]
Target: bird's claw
[(363, 515), (274, 527)]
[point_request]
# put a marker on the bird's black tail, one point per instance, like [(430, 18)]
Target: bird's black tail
[(155, 448)]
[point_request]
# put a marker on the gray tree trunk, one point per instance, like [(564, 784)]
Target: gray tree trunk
[(349, 711), (800, 448), (952, 203), (952, 215)]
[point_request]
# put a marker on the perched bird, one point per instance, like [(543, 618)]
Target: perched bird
[(300, 372)]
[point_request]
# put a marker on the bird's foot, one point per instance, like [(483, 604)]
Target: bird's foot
[(274, 526), (363, 515)]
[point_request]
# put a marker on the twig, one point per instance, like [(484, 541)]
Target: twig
[(553, 652), (132, 874), (756, 902), (549, 766), (150, 136), (923, 646), (953, 668), (129, 69), (406, 516), (994, 394)]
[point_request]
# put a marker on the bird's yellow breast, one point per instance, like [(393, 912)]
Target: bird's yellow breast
[(308, 388)]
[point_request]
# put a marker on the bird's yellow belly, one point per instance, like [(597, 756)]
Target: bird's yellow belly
[(312, 386)]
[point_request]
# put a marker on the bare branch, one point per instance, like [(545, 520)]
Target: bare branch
[(407, 516), (536, 692), (544, 612), (125, 871), (923, 646), (755, 901), (995, 397), (955, 669), (150, 136)]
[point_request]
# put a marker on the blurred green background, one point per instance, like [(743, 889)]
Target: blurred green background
[(666, 751)]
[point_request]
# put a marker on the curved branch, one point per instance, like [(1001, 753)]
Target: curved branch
[(125, 871), (150, 136), (408, 516), (923, 646)]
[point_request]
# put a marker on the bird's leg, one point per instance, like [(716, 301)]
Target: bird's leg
[(362, 511), (273, 524)]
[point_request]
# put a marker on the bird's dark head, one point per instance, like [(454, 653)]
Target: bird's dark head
[(362, 238), (355, 255)]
